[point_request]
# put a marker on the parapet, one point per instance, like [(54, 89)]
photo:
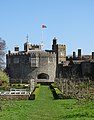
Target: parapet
[(61, 45)]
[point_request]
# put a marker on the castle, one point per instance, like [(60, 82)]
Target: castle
[(77, 66), (35, 63), (46, 65)]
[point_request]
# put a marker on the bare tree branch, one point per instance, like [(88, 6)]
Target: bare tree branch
[(2, 53)]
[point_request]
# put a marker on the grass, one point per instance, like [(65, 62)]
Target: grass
[(44, 107)]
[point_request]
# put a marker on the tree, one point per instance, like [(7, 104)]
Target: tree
[(4, 77), (2, 53)]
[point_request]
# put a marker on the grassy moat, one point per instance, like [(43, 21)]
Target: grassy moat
[(44, 107)]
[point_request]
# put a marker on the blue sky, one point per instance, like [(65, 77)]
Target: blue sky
[(70, 21)]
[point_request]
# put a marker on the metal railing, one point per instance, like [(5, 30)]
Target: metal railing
[(15, 92)]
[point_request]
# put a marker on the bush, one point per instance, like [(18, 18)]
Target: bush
[(58, 94), (21, 86), (55, 95), (32, 97), (38, 85), (3, 88), (36, 90)]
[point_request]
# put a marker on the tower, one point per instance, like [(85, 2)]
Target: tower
[(60, 51), (27, 45)]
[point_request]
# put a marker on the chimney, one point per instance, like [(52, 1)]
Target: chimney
[(92, 55), (74, 54), (79, 53), (16, 48)]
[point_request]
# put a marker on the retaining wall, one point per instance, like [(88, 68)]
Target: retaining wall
[(14, 97)]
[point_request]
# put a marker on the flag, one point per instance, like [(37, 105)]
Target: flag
[(44, 26)]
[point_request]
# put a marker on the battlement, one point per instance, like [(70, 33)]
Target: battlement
[(34, 46), (61, 45), (32, 53), (20, 53), (29, 46), (46, 54)]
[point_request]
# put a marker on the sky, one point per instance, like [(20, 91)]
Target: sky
[(70, 21)]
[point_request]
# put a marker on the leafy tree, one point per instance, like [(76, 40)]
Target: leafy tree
[(2, 53), (4, 76)]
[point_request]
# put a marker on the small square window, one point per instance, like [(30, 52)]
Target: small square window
[(16, 60)]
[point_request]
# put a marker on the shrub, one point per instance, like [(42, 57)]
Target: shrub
[(55, 95), (58, 94), (32, 97), (21, 86)]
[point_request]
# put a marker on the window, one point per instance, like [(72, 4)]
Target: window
[(34, 62), (8, 62), (16, 60), (51, 60)]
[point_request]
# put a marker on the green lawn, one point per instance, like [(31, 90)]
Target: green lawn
[(46, 108)]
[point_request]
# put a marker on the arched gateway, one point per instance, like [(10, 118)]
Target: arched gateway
[(43, 76)]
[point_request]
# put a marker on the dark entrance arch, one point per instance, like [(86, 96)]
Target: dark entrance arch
[(43, 76)]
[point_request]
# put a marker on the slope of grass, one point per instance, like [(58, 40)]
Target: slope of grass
[(44, 107)]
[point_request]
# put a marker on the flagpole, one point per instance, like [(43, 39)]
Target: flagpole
[(42, 34), (42, 45), (42, 39)]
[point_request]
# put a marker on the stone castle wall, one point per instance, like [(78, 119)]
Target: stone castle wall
[(23, 67)]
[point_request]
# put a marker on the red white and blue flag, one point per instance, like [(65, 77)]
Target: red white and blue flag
[(44, 26)]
